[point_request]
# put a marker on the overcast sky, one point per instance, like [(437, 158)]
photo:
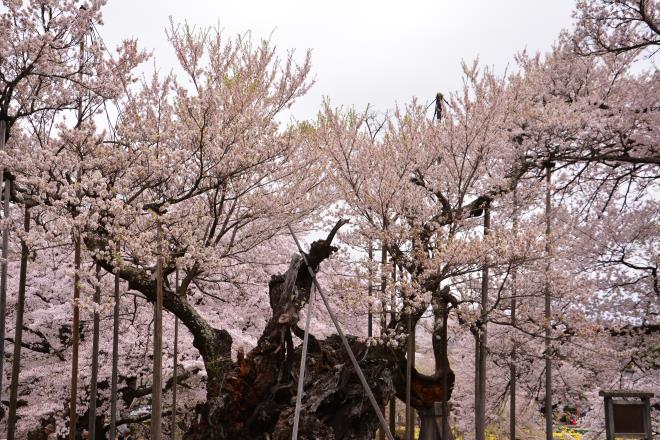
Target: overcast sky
[(377, 52)]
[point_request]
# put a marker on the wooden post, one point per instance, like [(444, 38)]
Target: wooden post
[(514, 305), (176, 357), (95, 356), (75, 337), (548, 310), (18, 337), (115, 355), (342, 336), (156, 391), (383, 327), (370, 316), (5, 187), (482, 344), (75, 331)]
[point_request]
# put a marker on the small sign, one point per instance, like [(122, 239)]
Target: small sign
[(627, 413), (628, 418)]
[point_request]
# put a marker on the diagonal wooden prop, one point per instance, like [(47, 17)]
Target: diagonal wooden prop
[(354, 361)]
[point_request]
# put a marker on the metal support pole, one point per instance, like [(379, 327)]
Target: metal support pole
[(354, 361)]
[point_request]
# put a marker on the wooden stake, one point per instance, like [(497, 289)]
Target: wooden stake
[(115, 356), (18, 337), (5, 187), (176, 357), (482, 344), (514, 306), (156, 391), (91, 427), (75, 338), (548, 308)]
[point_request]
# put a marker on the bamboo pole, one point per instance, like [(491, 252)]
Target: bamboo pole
[(18, 337)]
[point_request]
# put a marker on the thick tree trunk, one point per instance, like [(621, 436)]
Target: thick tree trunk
[(254, 397), (257, 399)]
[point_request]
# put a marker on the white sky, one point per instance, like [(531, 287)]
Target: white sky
[(378, 52)]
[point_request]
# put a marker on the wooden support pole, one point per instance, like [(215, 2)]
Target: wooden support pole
[(482, 346), (342, 336), (548, 307), (5, 189), (175, 358), (115, 355), (18, 337), (514, 306), (75, 337), (157, 387), (95, 356)]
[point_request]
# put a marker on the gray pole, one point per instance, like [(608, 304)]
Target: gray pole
[(548, 310), (18, 338), (91, 426), (354, 361), (115, 358), (303, 360)]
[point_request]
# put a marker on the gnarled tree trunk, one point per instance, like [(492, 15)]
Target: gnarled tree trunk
[(257, 398)]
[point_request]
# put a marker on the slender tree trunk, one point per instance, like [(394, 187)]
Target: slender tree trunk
[(115, 360), (514, 306), (482, 346), (548, 305), (176, 358), (156, 401), (18, 338), (95, 357), (75, 337), (4, 195)]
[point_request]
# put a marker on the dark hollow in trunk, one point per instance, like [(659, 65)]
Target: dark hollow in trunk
[(256, 396)]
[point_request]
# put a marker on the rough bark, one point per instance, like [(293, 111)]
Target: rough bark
[(257, 399)]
